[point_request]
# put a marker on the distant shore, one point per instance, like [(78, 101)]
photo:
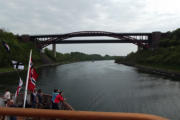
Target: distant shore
[(11, 70), (148, 69)]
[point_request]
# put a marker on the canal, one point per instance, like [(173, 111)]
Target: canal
[(107, 86)]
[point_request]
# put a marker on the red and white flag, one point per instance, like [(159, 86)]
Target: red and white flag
[(19, 87), (32, 77)]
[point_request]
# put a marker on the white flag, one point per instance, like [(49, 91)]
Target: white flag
[(17, 65)]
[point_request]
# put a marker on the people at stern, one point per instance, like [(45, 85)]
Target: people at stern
[(59, 100), (54, 94), (40, 98), (7, 96), (34, 99)]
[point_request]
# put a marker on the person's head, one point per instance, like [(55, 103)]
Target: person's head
[(60, 92), (10, 102), (35, 90), (55, 90), (7, 90), (39, 91)]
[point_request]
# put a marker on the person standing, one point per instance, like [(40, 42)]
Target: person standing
[(34, 99), (54, 94), (59, 99), (10, 103), (40, 98), (7, 96)]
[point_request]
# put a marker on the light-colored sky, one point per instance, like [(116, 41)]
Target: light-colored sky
[(64, 16)]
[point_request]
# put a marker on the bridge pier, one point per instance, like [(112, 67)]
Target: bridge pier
[(54, 49), (155, 39)]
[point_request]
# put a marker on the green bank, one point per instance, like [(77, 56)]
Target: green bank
[(19, 51), (165, 57)]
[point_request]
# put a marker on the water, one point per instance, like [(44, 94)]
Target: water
[(110, 87)]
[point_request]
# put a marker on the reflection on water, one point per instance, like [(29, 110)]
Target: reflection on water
[(106, 86)]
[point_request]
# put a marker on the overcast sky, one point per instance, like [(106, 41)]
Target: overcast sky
[(64, 16)]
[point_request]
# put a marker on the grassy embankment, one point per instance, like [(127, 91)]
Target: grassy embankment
[(166, 57), (19, 51)]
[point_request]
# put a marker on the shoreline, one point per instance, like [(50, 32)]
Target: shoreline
[(142, 68), (41, 66), (36, 67), (159, 71)]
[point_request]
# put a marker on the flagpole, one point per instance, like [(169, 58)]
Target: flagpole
[(27, 79)]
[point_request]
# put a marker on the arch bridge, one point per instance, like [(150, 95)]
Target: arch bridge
[(142, 40)]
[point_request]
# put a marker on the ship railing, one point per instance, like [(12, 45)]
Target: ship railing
[(67, 113), (46, 114)]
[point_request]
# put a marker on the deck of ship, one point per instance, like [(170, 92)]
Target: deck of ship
[(45, 113)]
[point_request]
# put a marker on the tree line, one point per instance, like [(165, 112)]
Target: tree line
[(167, 54), (75, 56), (19, 51)]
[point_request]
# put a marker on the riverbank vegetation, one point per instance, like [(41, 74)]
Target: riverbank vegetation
[(166, 56), (19, 51), (75, 56)]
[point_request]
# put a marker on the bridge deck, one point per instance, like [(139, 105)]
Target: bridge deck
[(87, 34)]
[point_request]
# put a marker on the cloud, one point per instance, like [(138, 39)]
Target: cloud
[(64, 16), (67, 15)]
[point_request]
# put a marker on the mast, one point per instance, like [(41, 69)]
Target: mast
[(27, 80)]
